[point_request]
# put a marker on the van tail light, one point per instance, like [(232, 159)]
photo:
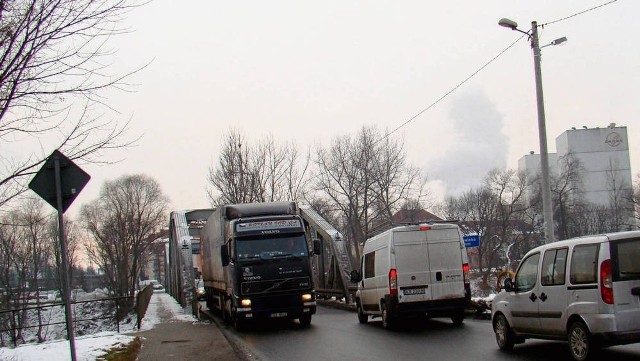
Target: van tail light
[(465, 272), (393, 281), (467, 282), (606, 281)]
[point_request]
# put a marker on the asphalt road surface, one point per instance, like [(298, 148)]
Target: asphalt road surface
[(336, 335)]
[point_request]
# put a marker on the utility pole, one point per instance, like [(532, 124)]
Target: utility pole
[(547, 210)]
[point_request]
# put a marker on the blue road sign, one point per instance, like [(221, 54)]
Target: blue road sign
[(471, 241)]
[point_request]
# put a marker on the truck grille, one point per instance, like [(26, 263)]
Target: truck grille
[(286, 284)]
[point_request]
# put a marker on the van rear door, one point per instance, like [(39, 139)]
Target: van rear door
[(625, 254), (444, 247), (412, 266)]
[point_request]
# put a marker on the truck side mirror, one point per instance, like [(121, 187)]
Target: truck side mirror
[(355, 276), (224, 255), (508, 285), (317, 247)]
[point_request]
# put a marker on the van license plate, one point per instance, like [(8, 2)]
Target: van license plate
[(413, 291), (278, 314)]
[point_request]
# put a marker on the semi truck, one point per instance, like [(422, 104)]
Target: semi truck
[(256, 263)]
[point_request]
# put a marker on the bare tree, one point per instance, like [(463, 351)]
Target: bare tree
[(567, 195), (496, 211), (366, 178), (18, 236), (53, 69), (122, 222), (620, 195), (634, 202), (262, 172)]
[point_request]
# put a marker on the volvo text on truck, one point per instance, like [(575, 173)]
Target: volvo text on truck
[(256, 263)]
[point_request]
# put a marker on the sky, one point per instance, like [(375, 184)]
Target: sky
[(309, 72)]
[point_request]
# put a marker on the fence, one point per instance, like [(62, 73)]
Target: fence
[(15, 320)]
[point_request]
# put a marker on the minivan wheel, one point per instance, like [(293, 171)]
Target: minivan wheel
[(580, 342), (362, 318), (387, 319), (504, 335)]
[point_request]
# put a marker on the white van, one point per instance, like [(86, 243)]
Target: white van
[(413, 270), (585, 290)]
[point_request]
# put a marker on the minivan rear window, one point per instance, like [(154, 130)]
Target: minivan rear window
[(625, 256)]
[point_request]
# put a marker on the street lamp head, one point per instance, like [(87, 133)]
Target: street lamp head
[(559, 41), (508, 23)]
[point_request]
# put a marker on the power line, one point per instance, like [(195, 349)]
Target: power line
[(450, 91), (579, 13)]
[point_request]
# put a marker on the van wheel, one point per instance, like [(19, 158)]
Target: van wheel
[(362, 318), (580, 342), (504, 335), (458, 317), (387, 320)]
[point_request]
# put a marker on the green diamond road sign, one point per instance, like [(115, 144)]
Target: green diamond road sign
[(72, 180)]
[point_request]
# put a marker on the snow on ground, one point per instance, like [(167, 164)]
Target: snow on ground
[(89, 347)]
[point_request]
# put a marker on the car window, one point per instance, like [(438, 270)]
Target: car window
[(626, 255), (554, 265), (527, 273), (369, 265), (584, 264)]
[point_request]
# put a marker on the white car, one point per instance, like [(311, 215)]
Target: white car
[(584, 290)]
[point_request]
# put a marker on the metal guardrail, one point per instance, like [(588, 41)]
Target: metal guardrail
[(324, 292), (14, 312)]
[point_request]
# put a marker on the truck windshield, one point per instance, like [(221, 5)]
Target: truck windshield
[(271, 247)]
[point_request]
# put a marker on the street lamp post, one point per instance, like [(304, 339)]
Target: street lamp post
[(547, 210)]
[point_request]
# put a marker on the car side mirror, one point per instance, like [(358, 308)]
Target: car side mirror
[(508, 285), (355, 276), (317, 246), (224, 256)]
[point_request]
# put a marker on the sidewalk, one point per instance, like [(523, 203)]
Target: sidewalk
[(180, 337)]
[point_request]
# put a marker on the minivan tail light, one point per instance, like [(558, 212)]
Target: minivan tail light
[(606, 281), (393, 282)]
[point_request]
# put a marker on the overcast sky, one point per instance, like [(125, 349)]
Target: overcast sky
[(312, 71)]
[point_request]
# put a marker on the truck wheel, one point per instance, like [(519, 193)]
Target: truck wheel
[(504, 335), (580, 341), (388, 321), (226, 312), (362, 317), (305, 320), (238, 324)]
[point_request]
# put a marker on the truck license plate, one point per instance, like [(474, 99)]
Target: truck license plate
[(278, 314), (413, 291)]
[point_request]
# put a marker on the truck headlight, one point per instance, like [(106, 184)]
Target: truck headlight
[(245, 302), (307, 297)]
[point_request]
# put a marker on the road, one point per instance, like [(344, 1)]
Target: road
[(336, 335)]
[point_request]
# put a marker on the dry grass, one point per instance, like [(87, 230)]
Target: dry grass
[(126, 353)]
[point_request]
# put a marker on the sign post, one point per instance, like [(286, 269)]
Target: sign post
[(59, 182)]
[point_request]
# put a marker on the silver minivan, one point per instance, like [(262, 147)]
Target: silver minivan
[(584, 290), (413, 270)]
